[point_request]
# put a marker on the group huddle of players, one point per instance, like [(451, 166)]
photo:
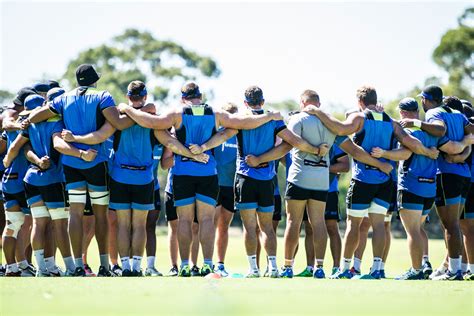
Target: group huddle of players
[(78, 165)]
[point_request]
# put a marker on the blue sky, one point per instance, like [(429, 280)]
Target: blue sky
[(283, 47)]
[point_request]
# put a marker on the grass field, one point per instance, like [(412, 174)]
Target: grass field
[(199, 296)]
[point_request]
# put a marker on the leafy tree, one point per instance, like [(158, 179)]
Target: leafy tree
[(5, 96), (138, 55)]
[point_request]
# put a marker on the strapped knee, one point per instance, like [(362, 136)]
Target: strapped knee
[(77, 196), (14, 222), (39, 212), (59, 213), (99, 198)]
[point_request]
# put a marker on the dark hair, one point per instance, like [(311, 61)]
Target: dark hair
[(254, 96), (454, 103), (310, 96), (135, 89), (190, 91), (367, 95)]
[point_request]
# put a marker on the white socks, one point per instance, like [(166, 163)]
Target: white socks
[(136, 263), (253, 262), (376, 264), (23, 264), (357, 263), (150, 262), (454, 264), (126, 263), (50, 263), (39, 256), (318, 263), (425, 259), (346, 264), (272, 262), (69, 263)]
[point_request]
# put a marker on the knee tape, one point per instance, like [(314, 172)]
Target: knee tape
[(15, 219), (388, 218), (99, 198), (39, 211), (374, 208), (357, 213), (59, 213), (77, 196)]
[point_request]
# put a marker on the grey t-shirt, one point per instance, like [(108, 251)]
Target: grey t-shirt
[(309, 171)]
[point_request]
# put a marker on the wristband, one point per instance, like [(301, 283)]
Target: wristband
[(417, 123)]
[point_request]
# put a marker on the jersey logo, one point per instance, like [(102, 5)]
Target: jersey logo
[(135, 168), (187, 159), (426, 180), (10, 176), (367, 167), (262, 165), (321, 163)]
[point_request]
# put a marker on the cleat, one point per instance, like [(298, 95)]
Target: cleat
[(354, 271), (286, 272), (411, 274), (371, 276), (448, 276), (116, 270), (29, 271), (334, 270), (194, 272), (127, 273), (265, 274), (79, 272), (137, 273), (274, 274), (253, 274), (382, 274), (173, 271), (69, 273), (41, 274), (205, 270), (307, 273), (13, 274), (221, 270), (427, 270), (152, 272), (103, 272), (89, 271), (347, 274), (184, 271), (319, 273), (55, 272), (3, 270), (438, 272), (469, 276)]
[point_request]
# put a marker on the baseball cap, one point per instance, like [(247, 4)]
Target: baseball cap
[(53, 84), (86, 75), (41, 87), (432, 93), (23, 94), (466, 103), (53, 93), (408, 104), (32, 102)]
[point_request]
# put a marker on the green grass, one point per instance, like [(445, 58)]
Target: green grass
[(198, 296)]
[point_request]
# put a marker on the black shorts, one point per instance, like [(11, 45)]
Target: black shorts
[(332, 207), (157, 199), (277, 210), (254, 194), (450, 188), (410, 201), (468, 212), (363, 198), (226, 198), (13, 199), (294, 192), (188, 189), (88, 211), (95, 178), (393, 201), (52, 195), (170, 209), (131, 196)]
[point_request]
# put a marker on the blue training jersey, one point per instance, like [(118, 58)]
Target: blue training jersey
[(256, 142), (417, 174), (12, 181), (157, 153), (40, 136), (334, 154), (197, 127), (226, 157), (133, 155), (377, 132), (455, 122), (81, 111)]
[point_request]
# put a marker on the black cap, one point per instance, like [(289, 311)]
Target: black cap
[(408, 104), (432, 93), (41, 87), (86, 75), (22, 95), (53, 84)]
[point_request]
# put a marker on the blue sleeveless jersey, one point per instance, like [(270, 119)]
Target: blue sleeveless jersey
[(334, 154), (157, 153), (198, 126), (40, 136), (418, 173), (455, 122), (377, 132), (12, 181), (133, 156), (256, 142), (226, 157), (81, 111)]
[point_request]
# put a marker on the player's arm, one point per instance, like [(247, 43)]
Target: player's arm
[(216, 140), (43, 163), (3, 146), (165, 138), (469, 128), (342, 165), (238, 121), (42, 114), (118, 121), (459, 158), (351, 125), (436, 128), (361, 155), (454, 148), (9, 123), (397, 154), (14, 150), (275, 153), (67, 149), (298, 142), (148, 120), (167, 159), (97, 137), (412, 143)]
